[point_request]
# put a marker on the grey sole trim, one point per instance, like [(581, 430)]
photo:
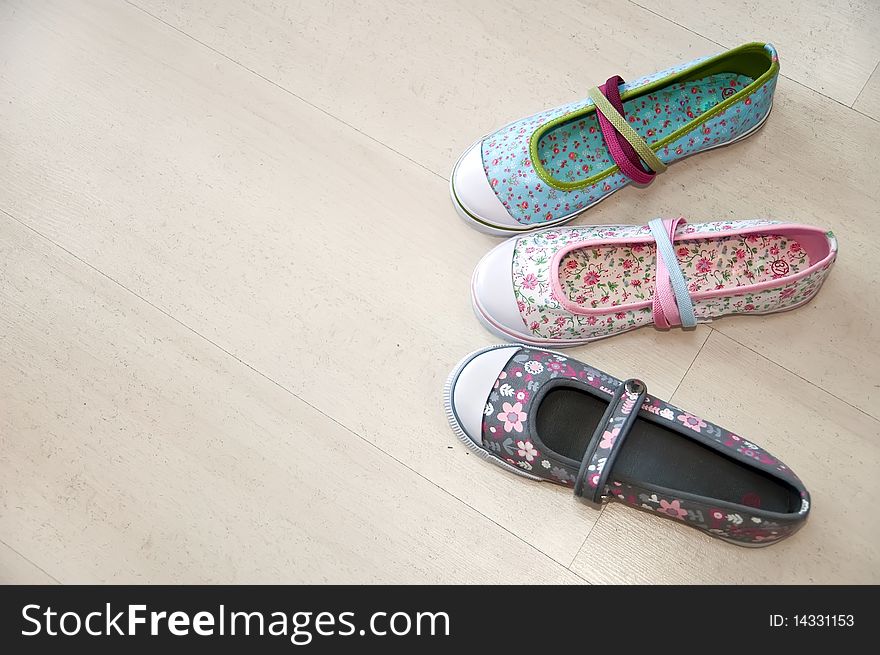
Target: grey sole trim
[(499, 231), (474, 447), (743, 544)]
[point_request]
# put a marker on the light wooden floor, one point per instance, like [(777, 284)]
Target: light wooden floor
[(232, 285)]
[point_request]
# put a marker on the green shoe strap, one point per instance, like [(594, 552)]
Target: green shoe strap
[(623, 128)]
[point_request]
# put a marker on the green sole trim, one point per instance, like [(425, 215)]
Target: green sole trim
[(463, 209)]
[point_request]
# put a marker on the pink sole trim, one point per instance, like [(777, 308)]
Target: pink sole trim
[(518, 337)]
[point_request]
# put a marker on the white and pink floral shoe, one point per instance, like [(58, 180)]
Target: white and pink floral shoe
[(568, 286)]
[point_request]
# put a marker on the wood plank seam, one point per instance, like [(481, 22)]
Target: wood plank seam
[(44, 571), (278, 384)]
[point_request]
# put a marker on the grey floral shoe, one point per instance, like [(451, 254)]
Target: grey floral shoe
[(546, 417)]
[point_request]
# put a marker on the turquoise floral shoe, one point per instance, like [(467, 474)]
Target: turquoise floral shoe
[(544, 170)]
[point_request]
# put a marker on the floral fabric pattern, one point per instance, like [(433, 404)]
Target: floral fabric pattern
[(530, 369), (625, 273), (738, 526), (593, 283), (608, 441), (531, 201), (575, 151)]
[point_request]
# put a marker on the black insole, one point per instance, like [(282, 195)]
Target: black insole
[(653, 454)]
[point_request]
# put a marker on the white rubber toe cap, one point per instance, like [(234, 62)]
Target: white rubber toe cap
[(473, 386), (474, 192), (493, 290)]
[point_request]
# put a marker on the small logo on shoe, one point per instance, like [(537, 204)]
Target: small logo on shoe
[(751, 499)]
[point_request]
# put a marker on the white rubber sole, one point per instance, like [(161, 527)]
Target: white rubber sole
[(502, 231)]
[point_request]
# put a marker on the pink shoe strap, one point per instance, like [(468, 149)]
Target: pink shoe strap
[(669, 305), (622, 152)]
